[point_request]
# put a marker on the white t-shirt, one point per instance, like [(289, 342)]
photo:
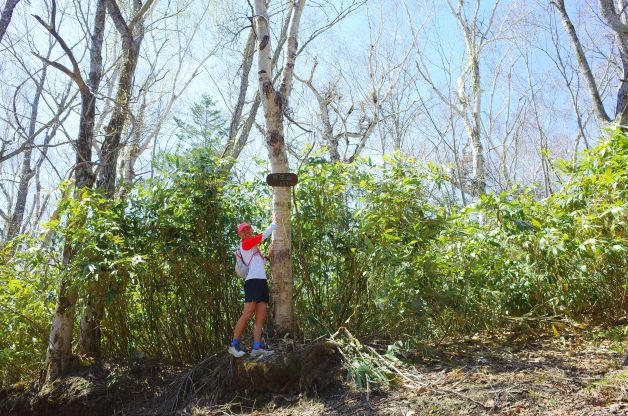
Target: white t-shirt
[(253, 256)]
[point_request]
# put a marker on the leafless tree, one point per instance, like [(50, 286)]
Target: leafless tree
[(614, 14), (59, 354), (333, 132), (244, 112), (477, 33), (27, 127)]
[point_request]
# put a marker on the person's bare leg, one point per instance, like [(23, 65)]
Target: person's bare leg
[(247, 313), (260, 317)]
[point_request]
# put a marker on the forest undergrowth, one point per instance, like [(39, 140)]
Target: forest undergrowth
[(381, 250)]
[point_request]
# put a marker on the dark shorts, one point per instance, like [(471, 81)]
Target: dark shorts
[(256, 290)]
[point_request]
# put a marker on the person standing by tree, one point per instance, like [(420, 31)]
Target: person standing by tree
[(256, 295)]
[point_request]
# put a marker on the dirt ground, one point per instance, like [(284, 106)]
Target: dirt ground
[(567, 375), (547, 376)]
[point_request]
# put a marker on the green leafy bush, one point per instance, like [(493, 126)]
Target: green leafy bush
[(373, 250)]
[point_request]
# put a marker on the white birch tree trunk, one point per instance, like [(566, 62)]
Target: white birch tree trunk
[(273, 103), (479, 163)]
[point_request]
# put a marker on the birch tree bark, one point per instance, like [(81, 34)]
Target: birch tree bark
[(242, 121), (468, 102), (471, 103), (239, 130), (274, 102)]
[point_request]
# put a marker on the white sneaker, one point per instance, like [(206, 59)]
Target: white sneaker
[(259, 352), (236, 351)]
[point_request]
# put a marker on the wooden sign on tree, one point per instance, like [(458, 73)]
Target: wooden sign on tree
[(282, 179)]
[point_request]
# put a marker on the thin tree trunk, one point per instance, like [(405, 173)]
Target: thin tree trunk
[(542, 138), (474, 129), (618, 25), (5, 18), (370, 128), (474, 44), (59, 352), (132, 35), (231, 149), (134, 149), (27, 173), (323, 106), (238, 136), (585, 69)]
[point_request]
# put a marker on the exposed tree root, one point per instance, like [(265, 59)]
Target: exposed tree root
[(219, 378)]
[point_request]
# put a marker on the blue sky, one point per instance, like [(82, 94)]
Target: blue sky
[(345, 49)]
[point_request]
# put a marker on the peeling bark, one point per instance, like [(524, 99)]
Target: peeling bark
[(471, 111), (273, 102)]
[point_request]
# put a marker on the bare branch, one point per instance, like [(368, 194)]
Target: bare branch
[(7, 13), (75, 74), (118, 19), (582, 61), (61, 68), (140, 14)]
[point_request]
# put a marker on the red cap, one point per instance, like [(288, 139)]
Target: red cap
[(243, 226)]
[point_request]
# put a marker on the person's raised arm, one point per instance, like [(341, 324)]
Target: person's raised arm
[(249, 243), (267, 232)]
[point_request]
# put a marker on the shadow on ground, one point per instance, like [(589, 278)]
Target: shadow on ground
[(545, 376)]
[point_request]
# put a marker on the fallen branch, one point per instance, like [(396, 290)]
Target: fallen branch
[(411, 379)]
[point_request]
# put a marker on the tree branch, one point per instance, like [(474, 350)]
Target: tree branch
[(582, 61), (291, 49), (7, 13), (118, 19), (60, 67), (75, 74), (140, 14)]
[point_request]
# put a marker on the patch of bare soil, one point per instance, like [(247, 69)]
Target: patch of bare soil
[(548, 376), (153, 388), (120, 387), (544, 377)]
